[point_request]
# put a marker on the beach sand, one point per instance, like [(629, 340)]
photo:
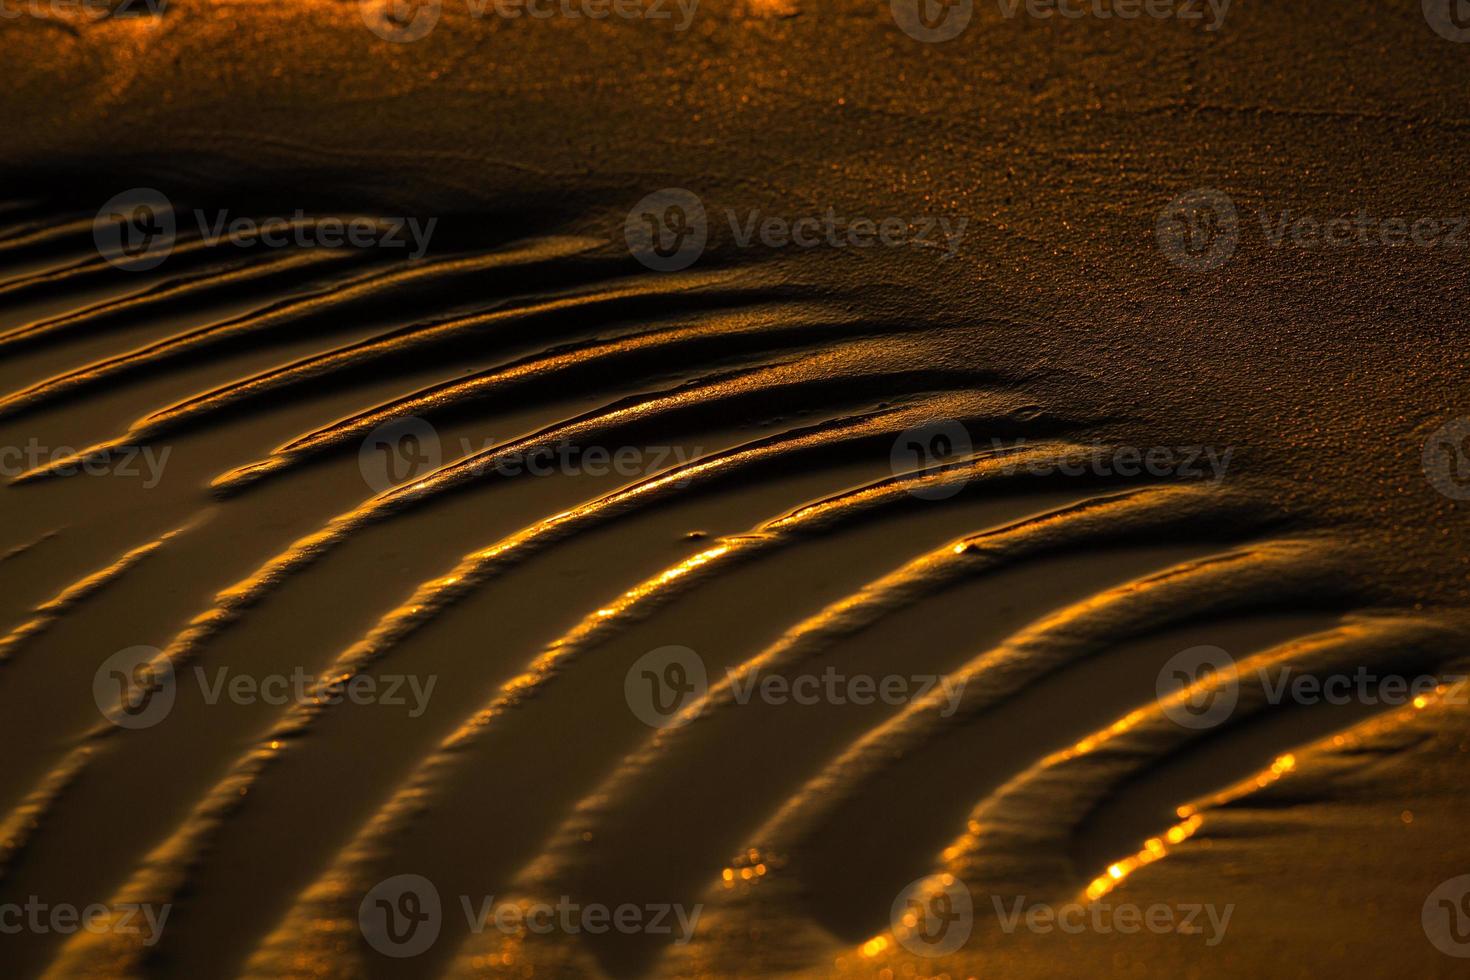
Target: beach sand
[(768, 342)]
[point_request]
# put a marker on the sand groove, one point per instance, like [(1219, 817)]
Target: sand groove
[(793, 401)]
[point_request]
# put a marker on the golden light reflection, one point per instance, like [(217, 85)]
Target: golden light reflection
[(1153, 849), (749, 867)]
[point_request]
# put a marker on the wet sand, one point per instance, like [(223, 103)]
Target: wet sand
[(252, 462)]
